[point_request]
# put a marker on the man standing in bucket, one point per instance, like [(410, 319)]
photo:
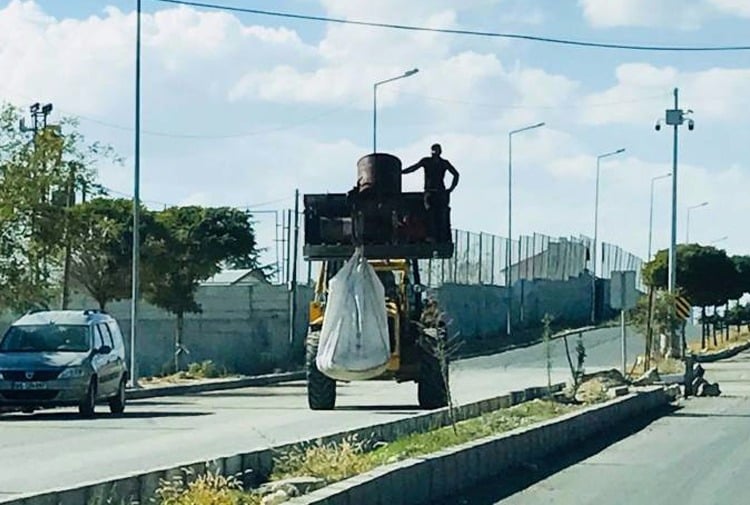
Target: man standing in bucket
[(436, 196)]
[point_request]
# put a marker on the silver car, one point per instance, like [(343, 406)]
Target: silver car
[(63, 358)]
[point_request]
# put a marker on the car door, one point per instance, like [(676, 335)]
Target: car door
[(103, 362), (119, 348), (116, 364)]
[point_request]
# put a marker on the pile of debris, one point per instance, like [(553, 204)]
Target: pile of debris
[(596, 387), (702, 387)]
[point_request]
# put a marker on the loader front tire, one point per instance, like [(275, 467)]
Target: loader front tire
[(321, 390), (432, 391)]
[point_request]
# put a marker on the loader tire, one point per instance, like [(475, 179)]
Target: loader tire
[(321, 390), (432, 390)]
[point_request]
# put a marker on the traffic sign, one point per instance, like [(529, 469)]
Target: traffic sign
[(683, 307), (623, 294)]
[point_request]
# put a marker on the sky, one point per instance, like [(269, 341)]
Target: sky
[(242, 109)]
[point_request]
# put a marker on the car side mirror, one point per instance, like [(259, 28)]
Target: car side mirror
[(105, 349)]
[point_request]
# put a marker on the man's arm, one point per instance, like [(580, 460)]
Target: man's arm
[(414, 167), (455, 175)]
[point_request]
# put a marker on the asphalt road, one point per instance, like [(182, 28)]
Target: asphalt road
[(55, 449), (696, 455)]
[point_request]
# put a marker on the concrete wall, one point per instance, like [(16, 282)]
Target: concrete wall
[(481, 312), (242, 328), (246, 328)]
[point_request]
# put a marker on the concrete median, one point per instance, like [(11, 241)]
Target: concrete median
[(438, 476)]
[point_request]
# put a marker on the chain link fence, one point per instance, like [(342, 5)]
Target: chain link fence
[(481, 258)]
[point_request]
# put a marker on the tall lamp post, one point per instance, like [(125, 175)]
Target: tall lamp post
[(408, 73), (651, 212), (594, 257), (675, 117), (135, 291), (722, 239), (508, 257), (687, 219)]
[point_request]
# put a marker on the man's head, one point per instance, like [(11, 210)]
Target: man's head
[(436, 149)]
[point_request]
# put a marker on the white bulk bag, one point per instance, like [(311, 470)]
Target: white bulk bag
[(354, 343)]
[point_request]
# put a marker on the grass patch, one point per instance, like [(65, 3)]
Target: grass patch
[(209, 489), (340, 461), (735, 338), (196, 371), (337, 462)]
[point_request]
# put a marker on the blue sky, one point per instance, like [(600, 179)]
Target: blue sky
[(271, 105)]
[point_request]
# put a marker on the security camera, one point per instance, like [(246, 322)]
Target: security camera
[(657, 127), (691, 125)]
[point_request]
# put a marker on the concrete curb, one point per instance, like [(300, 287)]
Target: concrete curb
[(254, 467), (448, 472), (724, 354), (219, 385)]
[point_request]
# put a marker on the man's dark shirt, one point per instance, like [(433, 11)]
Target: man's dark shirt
[(434, 172)]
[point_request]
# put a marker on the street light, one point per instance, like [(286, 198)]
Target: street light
[(596, 229), (135, 291), (687, 221), (674, 117), (651, 211), (408, 73), (508, 285), (722, 239)]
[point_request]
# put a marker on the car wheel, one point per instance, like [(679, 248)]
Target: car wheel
[(117, 402), (88, 403)]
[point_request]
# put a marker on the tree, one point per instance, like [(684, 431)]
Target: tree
[(190, 245), (34, 171), (705, 275), (101, 247), (742, 265)]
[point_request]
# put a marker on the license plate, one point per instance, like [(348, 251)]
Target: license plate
[(27, 386)]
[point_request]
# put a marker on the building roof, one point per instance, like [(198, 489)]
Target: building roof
[(235, 277)]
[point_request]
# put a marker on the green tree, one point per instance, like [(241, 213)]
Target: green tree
[(101, 247), (191, 244), (34, 171), (742, 265), (705, 275)]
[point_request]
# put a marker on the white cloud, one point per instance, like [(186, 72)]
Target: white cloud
[(642, 90), (735, 7), (683, 14)]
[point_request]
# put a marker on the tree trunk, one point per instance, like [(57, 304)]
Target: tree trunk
[(102, 305), (726, 322), (649, 330), (713, 326), (703, 327), (178, 340)]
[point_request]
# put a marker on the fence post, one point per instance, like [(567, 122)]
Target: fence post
[(455, 260), (492, 261), (480, 258), (468, 256)]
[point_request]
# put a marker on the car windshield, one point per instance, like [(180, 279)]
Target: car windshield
[(46, 338)]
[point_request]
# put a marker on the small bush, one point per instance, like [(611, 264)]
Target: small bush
[(331, 462), (209, 489)]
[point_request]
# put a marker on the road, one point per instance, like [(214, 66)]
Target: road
[(54, 449), (696, 455)]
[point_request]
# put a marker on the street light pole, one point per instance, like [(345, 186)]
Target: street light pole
[(408, 73), (594, 257), (651, 212), (508, 257), (135, 291), (687, 220)]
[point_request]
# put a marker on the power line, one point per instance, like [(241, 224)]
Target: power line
[(165, 204), (476, 33)]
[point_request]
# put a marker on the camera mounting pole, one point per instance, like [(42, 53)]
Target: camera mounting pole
[(674, 117)]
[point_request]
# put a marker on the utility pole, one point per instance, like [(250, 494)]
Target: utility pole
[(674, 117), (135, 280), (70, 201), (293, 287)]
